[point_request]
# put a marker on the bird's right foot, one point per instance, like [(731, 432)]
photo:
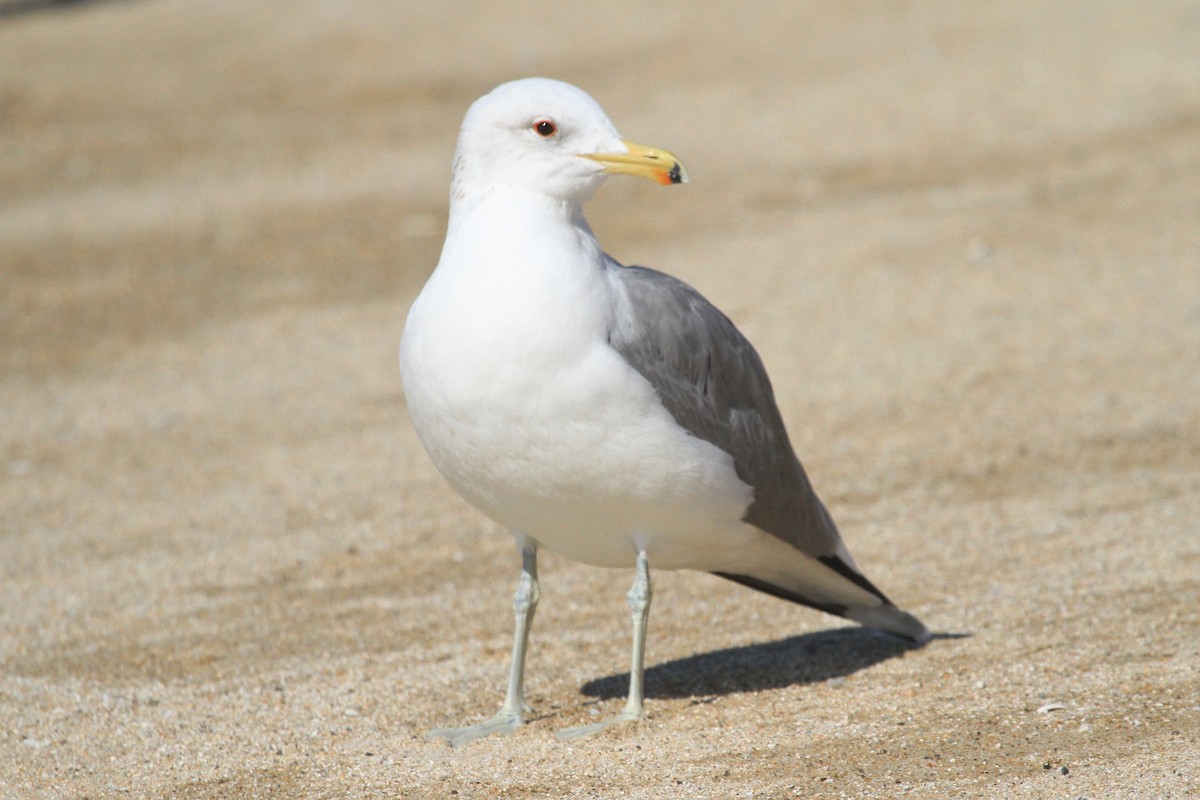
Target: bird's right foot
[(503, 723)]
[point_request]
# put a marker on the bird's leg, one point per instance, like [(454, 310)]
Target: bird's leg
[(512, 712), (524, 604), (639, 606)]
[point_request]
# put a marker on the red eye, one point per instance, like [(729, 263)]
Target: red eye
[(545, 128)]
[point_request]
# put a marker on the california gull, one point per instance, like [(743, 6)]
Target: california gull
[(608, 413)]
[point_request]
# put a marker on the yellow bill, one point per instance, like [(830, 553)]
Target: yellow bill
[(646, 162)]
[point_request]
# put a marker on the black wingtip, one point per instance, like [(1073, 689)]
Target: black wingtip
[(837, 609), (836, 564)]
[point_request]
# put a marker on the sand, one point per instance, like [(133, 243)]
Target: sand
[(965, 238)]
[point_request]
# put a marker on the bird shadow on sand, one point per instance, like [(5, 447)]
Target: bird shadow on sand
[(796, 660)]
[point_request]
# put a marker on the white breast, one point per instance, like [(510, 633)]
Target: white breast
[(534, 419)]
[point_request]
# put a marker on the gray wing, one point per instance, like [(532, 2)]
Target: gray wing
[(711, 380)]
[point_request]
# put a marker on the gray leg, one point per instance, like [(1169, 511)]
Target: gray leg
[(639, 605), (511, 713)]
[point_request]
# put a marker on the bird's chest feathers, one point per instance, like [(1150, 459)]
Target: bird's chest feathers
[(506, 332), (506, 360)]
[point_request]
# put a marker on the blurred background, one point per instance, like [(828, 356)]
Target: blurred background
[(167, 162), (965, 237)]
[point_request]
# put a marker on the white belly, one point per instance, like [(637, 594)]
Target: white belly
[(544, 427)]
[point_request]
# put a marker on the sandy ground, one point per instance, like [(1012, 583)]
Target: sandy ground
[(964, 236)]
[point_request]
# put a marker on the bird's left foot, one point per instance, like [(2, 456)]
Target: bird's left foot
[(567, 734)]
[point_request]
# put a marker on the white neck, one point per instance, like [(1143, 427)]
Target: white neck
[(521, 280), (518, 231)]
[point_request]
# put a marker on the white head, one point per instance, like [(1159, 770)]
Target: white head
[(549, 137)]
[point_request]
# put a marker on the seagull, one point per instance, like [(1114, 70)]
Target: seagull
[(608, 413)]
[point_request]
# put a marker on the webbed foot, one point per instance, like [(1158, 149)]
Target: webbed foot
[(503, 723)]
